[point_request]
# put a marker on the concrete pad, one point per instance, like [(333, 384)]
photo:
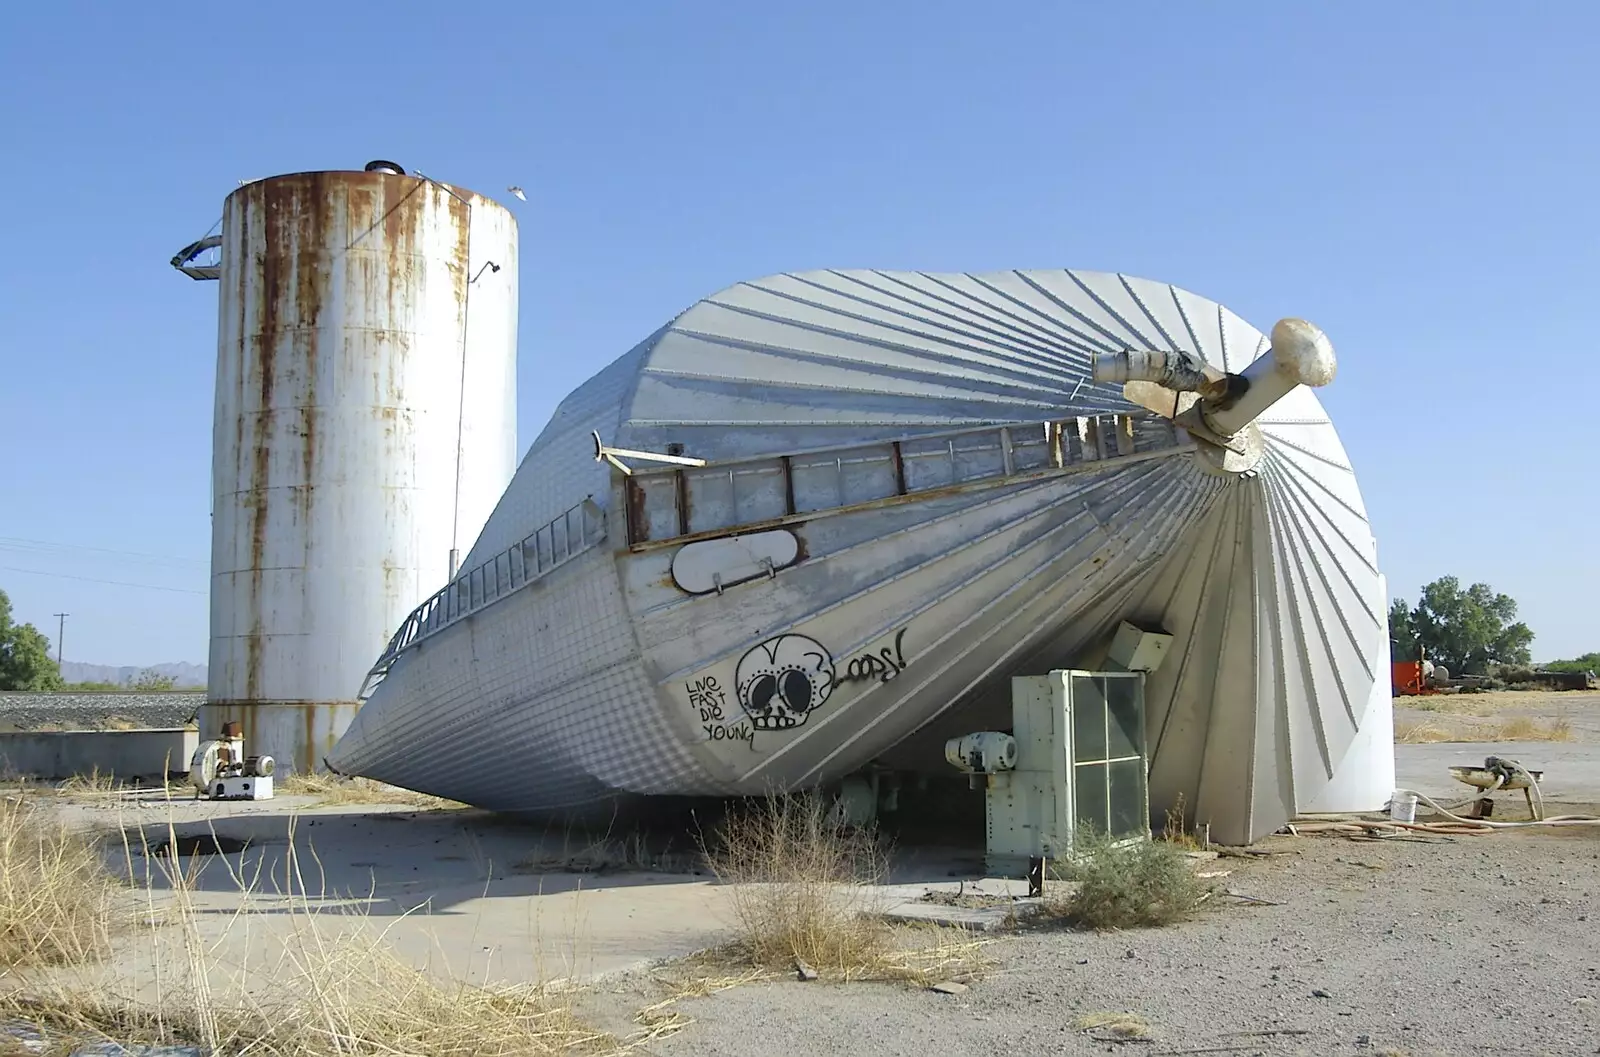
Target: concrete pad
[(908, 903), (975, 919), (465, 893)]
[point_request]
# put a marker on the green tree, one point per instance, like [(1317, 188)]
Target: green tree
[(1402, 632), (1466, 631), (25, 661), (151, 682), (1589, 662)]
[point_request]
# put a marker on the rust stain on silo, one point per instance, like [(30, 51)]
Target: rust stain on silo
[(402, 200), (261, 376), (317, 215), (310, 754)]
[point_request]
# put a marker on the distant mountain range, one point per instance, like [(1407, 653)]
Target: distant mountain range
[(186, 675)]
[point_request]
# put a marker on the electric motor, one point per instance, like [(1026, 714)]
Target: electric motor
[(987, 752)]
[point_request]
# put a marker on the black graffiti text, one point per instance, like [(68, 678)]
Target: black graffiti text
[(882, 664), (731, 732), (708, 698)]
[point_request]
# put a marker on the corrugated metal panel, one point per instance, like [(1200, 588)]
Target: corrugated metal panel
[(352, 343), (1268, 580)]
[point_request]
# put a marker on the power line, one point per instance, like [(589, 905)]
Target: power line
[(17, 543), (93, 580)]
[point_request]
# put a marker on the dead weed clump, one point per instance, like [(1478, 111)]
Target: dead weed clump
[(803, 899), (1120, 1025), (331, 996), (57, 900), (334, 790), (1175, 832), (328, 987), (1425, 732), (95, 783), (1525, 728), (1121, 886)]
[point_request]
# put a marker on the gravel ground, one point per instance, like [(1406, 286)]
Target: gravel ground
[(1482, 945), (31, 711)]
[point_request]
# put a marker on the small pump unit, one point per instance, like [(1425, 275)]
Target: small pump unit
[(1074, 763), (989, 752), (220, 769)]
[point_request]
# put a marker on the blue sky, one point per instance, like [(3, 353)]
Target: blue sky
[(1417, 178)]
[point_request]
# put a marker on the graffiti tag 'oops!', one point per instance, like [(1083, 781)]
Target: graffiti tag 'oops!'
[(883, 664)]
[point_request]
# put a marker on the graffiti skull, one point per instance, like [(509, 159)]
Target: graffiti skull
[(782, 680)]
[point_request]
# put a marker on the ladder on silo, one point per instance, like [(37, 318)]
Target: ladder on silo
[(553, 545)]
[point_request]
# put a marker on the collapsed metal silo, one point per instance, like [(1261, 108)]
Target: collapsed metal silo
[(365, 427), (809, 530)]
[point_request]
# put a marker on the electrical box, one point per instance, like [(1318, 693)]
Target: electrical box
[(1081, 767), (242, 787), (1138, 650)]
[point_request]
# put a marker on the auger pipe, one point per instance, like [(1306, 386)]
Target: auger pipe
[(1301, 354), (1181, 371)]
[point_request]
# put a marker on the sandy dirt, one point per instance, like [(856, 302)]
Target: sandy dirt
[(1473, 946)]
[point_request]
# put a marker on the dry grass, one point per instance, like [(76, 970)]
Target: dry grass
[(340, 998), (1516, 728), (1146, 883), (331, 789), (1523, 728), (696, 977), (1121, 1025), (1175, 832), (57, 900), (1425, 732), (92, 784), (802, 896), (330, 987), (1453, 704)]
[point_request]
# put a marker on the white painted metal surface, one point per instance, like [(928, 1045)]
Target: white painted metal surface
[(986, 752), (242, 787), (717, 564), (366, 349), (896, 424)]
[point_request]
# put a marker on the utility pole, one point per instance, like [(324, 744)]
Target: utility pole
[(61, 633)]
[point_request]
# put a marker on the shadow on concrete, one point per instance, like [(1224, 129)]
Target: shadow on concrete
[(392, 861), (395, 861)]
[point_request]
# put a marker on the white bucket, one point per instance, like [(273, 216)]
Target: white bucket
[(1403, 807)]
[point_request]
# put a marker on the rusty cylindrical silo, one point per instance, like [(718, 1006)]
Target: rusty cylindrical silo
[(365, 427)]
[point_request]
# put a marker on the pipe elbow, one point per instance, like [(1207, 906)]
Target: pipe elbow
[(1303, 353)]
